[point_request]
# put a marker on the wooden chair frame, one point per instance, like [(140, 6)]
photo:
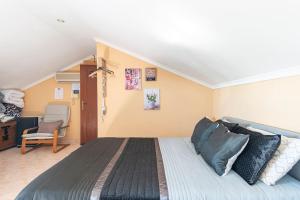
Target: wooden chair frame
[(51, 141)]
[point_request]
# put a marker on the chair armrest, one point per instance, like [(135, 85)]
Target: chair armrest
[(64, 127), (26, 131)]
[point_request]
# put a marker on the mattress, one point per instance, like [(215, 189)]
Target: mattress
[(189, 177), (146, 169)]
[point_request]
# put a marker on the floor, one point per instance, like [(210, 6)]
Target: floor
[(17, 170)]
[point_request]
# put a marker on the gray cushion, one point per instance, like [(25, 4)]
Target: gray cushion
[(200, 127), (203, 136), (220, 146), (56, 112), (49, 127), (230, 126)]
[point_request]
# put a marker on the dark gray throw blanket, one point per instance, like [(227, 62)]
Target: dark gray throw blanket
[(105, 169), (12, 110)]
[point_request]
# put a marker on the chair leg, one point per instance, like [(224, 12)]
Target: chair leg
[(23, 147), (55, 141)]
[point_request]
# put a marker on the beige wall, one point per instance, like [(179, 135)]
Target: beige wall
[(274, 102), (183, 102), (38, 96)]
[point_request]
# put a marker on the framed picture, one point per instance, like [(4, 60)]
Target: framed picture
[(150, 74), (133, 79), (151, 99)]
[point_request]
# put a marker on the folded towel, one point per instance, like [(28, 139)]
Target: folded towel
[(13, 93), (19, 102), (1, 97), (2, 108), (6, 119)]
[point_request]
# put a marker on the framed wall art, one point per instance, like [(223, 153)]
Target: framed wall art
[(133, 79), (150, 74), (151, 99)]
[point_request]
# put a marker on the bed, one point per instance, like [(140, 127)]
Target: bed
[(147, 168)]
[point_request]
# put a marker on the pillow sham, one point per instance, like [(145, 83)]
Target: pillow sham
[(203, 136), (286, 156), (255, 157), (200, 127), (230, 126), (295, 171), (222, 148)]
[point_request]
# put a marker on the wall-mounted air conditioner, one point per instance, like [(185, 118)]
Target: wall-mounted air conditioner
[(67, 76)]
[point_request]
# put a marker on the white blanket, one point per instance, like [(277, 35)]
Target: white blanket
[(13, 97), (13, 93), (190, 178), (12, 100)]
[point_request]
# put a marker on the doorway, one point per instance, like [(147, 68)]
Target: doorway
[(88, 104)]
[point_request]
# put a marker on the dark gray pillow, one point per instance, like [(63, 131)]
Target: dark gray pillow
[(200, 127), (230, 126), (258, 152), (221, 147), (203, 137)]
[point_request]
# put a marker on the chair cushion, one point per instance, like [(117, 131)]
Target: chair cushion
[(38, 136), (49, 127), (55, 112)]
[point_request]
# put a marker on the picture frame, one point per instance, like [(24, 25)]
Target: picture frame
[(151, 74), (151, 99), (133, 79)]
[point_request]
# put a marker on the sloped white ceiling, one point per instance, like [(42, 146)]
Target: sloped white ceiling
[(214, 42)]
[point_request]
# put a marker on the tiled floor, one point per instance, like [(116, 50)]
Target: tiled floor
[(17, 170)]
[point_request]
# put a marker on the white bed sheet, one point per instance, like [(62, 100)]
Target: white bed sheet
[(189, 177)]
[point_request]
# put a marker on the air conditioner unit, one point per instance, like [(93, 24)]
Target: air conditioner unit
[(67, 76)]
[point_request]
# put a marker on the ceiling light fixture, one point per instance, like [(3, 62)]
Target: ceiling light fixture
[(60, 20)]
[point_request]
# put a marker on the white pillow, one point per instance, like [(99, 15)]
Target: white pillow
[(231, 160), (225, 120), (286, 156)]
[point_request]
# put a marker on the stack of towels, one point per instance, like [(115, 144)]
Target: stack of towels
[(11, 104)]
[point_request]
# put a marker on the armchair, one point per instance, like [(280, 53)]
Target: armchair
[(54, 112)]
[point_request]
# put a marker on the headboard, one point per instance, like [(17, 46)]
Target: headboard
[(295, 172), (271, 129)]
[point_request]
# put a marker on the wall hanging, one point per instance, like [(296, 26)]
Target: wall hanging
[(150, 74), (101, 66), (151, 99), (133, 80)]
